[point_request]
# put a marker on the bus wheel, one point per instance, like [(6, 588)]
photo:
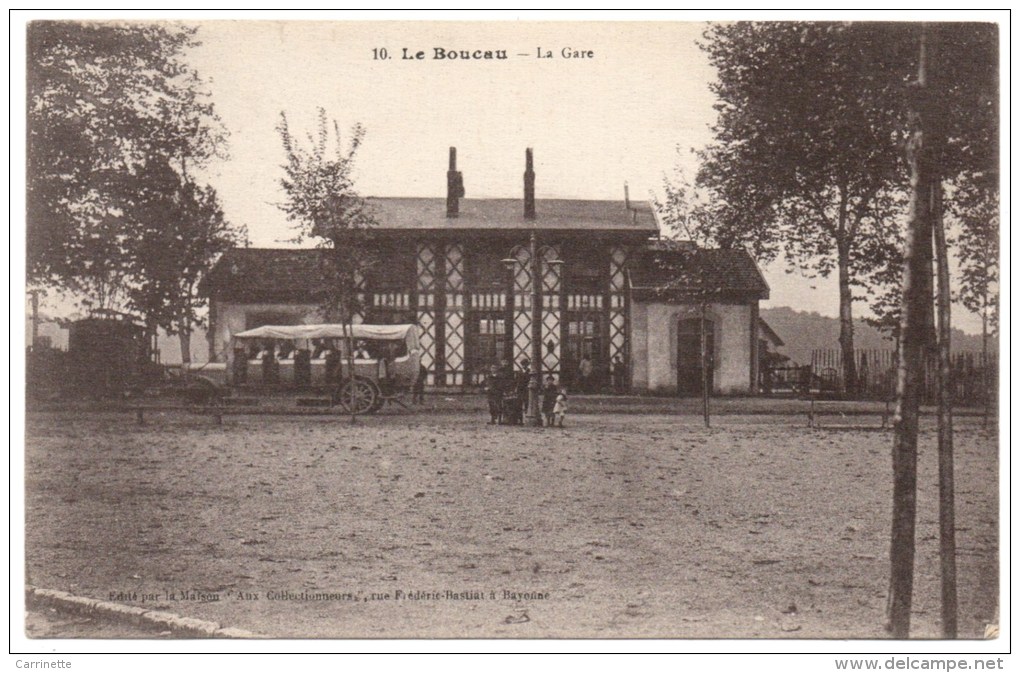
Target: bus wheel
[(360, 400)]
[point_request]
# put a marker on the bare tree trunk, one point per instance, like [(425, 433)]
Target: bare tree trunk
[(947, 497), (985, 382), (184, 337), (916, 303), (705, 385), (846, 322), (35, 317)]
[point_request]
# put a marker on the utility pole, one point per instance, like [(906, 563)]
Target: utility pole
[(535, 384)]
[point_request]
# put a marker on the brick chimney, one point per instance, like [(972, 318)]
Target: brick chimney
[(454, 186), (529, 185)]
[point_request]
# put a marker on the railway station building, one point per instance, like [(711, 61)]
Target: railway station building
[(468, 272)]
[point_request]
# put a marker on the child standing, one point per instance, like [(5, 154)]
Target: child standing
[(560, 407), (549, 393)]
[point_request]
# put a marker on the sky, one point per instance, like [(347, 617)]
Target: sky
[(632, 109), (593, 123), (631, 112)]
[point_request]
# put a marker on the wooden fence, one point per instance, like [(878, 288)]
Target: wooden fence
[(876, 375)]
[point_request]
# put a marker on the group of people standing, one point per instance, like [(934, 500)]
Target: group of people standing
[(507, 394)]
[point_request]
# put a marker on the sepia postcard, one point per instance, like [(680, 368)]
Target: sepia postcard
[(598, 330)]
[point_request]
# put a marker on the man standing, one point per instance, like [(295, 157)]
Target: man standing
[(585, 369), (494, 395), (619, 375), (521, 380), (418, 391)]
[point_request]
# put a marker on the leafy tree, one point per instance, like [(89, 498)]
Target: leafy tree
[(954, 119), (809, 144), (118, 124), (325, 206), (684, 209), (106, 100), (884, 282), (92, 90), (182, 231), (807, 155), (813, 123), (951, 126), (974, 205), (696, 212)]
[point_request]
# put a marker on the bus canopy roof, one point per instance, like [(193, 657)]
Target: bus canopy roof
[(407, 333)]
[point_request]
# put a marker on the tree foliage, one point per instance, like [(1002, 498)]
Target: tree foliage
[(974, 206), (109, 104), (118, 125), (684, 209), (325, 206), (809, 143), (182, 231)]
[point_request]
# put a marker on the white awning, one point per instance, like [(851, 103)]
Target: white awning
[(408, 333)]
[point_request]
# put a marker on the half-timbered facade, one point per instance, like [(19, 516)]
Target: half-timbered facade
[(463, 271)]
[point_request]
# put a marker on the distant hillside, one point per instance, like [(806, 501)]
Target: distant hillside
[(804, 332)]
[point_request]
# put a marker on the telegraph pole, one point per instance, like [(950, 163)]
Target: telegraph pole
[(535, 384)]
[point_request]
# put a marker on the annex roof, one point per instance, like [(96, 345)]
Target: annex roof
[(667, 269), (265, 275), (769, 333)]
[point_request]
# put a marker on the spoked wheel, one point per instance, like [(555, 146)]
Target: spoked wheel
[(363, 398)]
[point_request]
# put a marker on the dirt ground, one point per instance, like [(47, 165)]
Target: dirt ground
[(414, 525)]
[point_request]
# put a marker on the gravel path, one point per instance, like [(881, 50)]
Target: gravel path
[(440, 526)]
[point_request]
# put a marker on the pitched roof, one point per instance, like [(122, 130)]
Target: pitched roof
[(286, 275), (669, 268), (770, 333), (428, 214), (264, 274), (291, 275)]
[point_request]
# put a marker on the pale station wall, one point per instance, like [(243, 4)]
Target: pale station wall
[(654, 346), (233, 318)]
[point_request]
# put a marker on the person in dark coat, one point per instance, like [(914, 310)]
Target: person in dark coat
[(494, 390), (270, 367), (619, 375), (418, 391), (507, 391), (520, 392)]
